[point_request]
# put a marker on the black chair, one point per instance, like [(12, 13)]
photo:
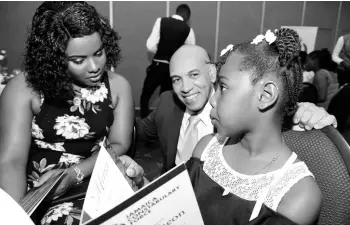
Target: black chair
[(339, 106), (308, 93), (327, 155), (132, 150)]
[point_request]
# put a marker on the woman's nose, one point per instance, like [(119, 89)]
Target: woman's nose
[(93, 66)]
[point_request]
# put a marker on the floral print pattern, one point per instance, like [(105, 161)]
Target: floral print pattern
[(67, 160), (57, 211), (55, 146), (39, 169), (71, 127), (37, 132), (65, 134), (86, 99), (94, 96)]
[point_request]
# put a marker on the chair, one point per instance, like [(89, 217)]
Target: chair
[(308, 93), (327, 155), (339, 106), (132, 150)]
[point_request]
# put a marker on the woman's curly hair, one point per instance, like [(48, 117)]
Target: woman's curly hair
[(281, 56), (53, 24)]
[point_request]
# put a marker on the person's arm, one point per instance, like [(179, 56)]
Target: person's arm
[(337, 49), (191, 38), (146, 128), (153, 39), (302, 203), (120, 134), (321, 83), (15, 136)]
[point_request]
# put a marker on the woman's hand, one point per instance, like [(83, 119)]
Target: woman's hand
[(67, 181)]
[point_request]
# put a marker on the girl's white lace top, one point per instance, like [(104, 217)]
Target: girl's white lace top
[(249, 187)]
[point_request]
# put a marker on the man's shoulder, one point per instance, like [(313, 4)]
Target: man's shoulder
[(168, 97), (174, 20), (168, 100), (167, 94)]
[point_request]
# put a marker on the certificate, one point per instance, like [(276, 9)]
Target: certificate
[(169, 199), (107, 187)]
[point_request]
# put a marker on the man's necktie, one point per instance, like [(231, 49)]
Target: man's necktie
[(190, 138)]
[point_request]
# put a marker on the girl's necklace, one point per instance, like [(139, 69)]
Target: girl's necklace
[(269, 164)]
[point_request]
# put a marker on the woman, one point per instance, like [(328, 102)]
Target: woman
[(341, 56), (325, 80), (54, 115)]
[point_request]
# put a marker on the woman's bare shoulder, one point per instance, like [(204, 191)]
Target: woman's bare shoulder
[(120, 87), (19, 86), (117, 80), (18, 91)]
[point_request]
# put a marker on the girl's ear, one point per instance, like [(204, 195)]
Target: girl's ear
[(212, 72), (268, 95)]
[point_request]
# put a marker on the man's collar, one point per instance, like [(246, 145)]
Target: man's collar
[(178, 17), (205, 113)]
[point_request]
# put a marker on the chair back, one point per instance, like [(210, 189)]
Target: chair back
[(132, 150), (327, 155), (308, 93)]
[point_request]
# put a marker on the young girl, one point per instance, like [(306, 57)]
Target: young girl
[(246, 174)]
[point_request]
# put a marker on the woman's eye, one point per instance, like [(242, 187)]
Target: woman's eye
[(99, 53), (78, 61)]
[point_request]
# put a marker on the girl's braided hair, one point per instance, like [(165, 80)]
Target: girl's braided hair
[(282, 57)]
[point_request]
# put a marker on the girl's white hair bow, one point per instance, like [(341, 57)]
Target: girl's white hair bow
[(228, 48), (270, 37)]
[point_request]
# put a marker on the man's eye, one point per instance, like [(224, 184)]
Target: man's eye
[(223, 88), (176, 80), (194, 74)]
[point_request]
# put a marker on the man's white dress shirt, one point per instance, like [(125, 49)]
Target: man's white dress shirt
[(204, 127)]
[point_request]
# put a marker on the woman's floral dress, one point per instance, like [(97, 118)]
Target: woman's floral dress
[(65, 134)]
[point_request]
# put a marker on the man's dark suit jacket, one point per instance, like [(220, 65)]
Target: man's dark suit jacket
[(164, 124)]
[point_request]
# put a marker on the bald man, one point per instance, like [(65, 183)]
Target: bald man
[(181, 117)]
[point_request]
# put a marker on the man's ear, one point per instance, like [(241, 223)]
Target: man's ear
[(212, 72), (267, 95)]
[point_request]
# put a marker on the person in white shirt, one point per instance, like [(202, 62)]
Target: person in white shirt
[(182, 118), (168, 34)]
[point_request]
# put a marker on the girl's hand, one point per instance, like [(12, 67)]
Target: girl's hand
[(67, 180)]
